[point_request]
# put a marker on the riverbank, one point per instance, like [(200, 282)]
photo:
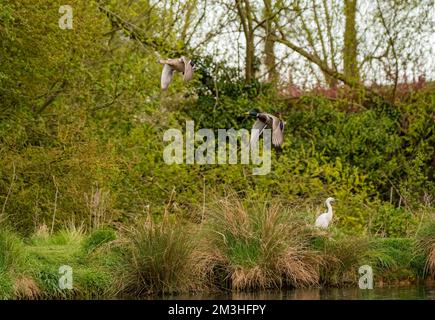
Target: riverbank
[(234, 249)]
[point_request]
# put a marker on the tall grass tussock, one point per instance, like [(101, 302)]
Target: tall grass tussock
[(158, 258), (256, 246), (426, 241)]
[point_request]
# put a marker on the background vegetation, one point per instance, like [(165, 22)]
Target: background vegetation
[(82, 119)]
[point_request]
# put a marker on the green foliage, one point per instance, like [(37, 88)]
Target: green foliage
[(81, 124), (6, 286), (93, 153), (393, 251), (91, 277), (16, 281), (389, 221), (392, 259), (93, 283), (239, 246), (396, 259), (425, 242), (12, 262)]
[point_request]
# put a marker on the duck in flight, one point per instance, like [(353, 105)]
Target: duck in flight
[(183, 65), (265, 120)]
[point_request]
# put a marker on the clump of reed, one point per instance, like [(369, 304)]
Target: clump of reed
[(158, 257), (342, 256), (392, 259), (426, 241), (396, 259), (256, 246)]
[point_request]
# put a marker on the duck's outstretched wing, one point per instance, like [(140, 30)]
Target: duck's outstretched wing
[(188, 69), (257, 130), (171, 62), (167, 74), (277, 132)]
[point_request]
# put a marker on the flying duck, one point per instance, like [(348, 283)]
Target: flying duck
[(183, 65), (267, 120)]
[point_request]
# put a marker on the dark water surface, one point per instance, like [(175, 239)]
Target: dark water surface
[(420, 292)]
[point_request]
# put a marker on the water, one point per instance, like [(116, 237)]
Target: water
[(420, 292)]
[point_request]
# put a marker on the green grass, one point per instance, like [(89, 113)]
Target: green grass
[(31, 270), (13, 267), (6, 286), (12, 253), (97, 238), (392, 259), (395, 259)]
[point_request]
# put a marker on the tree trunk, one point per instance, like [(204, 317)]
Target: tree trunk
[(350, 50), (250, 50), (269, 44), (245, 15)]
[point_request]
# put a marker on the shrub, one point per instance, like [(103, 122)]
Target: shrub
[(389, 221)]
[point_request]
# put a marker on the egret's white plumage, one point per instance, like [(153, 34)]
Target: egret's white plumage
[(325, 219)]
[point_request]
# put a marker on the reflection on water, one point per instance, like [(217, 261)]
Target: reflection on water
[(426, 292)]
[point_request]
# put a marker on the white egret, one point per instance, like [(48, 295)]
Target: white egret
[(325, 219)]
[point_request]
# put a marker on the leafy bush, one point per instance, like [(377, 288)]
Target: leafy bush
[(392, 222)]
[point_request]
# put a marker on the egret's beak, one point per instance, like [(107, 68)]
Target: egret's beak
[(246, 113)]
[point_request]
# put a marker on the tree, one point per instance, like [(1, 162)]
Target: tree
[(350, 51), (245, 14), (269, 42)]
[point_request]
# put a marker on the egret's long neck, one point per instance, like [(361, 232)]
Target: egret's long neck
[(329, 213)]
